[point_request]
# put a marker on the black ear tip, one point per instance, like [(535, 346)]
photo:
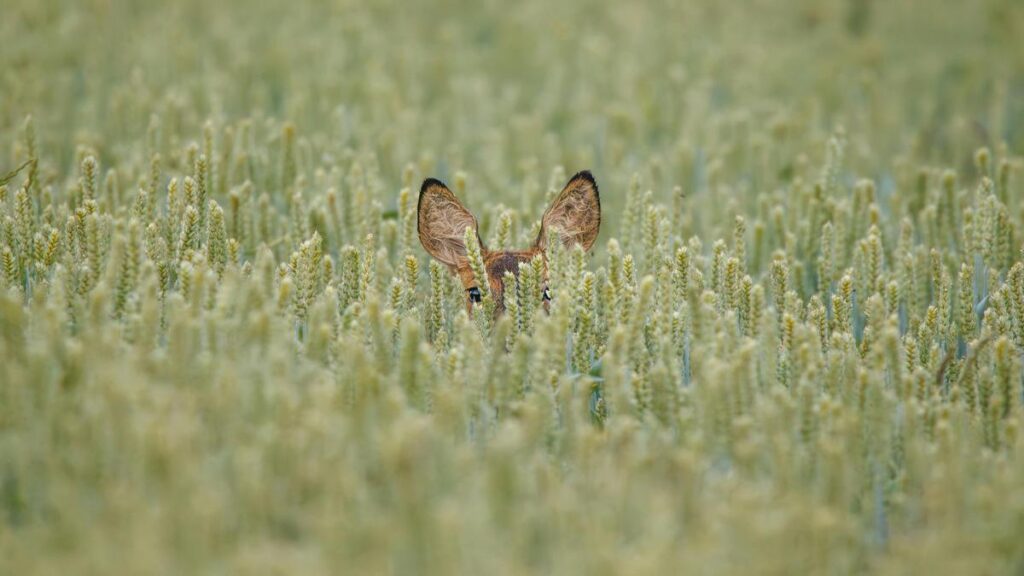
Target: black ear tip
[(429, 182), (585, 175)]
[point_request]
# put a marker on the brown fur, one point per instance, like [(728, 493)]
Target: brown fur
[(441, 221), (575, 215), (499, 262)]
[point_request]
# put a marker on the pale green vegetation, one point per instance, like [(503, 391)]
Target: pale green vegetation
[(796, 349)]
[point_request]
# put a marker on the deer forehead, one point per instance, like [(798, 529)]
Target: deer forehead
[(497, 263)]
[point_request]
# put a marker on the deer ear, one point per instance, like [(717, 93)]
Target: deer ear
[(441, 222), (575, 213)]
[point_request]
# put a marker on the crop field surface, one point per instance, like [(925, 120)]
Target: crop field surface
[(793, 347)]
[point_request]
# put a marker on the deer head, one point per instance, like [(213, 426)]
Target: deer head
[(575, 216)]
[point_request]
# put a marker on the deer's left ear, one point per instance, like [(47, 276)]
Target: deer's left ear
[(441, 221), (575, 213)]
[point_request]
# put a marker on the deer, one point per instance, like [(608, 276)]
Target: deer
[(573, 218)]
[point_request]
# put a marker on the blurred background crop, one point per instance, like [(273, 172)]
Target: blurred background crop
[(503, 90)]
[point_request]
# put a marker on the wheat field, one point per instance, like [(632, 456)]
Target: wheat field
[(795, 347)]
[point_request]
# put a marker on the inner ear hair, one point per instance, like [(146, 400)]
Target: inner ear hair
[(441, 222), (575, 213)]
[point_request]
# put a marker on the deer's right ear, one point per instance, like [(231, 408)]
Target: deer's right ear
[(441, 222)]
